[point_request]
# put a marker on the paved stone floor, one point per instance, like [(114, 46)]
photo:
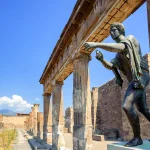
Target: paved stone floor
[(21, 143), (97, 145)]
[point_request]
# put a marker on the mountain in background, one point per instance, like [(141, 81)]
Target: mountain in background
[(7, 112)]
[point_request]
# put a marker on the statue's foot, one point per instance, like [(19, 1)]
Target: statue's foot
[(134, 142)]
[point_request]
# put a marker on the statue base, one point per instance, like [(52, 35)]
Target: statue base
[(120, 146)]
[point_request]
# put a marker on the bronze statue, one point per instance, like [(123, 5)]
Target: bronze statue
[(130, 62)]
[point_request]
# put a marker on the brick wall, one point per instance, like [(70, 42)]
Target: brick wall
[(108, 115)]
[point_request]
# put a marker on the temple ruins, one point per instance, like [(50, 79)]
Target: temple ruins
[(89, 21)]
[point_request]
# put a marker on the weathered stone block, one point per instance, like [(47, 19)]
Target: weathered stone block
[(98, 137)]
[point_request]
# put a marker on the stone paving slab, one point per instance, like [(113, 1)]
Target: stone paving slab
[(35, 143), (39, 145), (21, 142)]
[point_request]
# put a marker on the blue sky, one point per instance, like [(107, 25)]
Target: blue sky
[(29, 30)]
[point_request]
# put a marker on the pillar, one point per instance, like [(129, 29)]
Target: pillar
[(39, 125), (82, 130), (69, 119), (36, 110), (148, 15), (32, 119), (47, 128), (94, 107), (58, 141)]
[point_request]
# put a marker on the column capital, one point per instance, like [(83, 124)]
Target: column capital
[(57, 83), (46, 94), (82, 55), (36, 104)]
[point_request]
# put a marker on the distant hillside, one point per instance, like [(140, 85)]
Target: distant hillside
[(7, 112)]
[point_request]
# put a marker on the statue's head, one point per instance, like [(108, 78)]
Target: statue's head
[(117, 29)]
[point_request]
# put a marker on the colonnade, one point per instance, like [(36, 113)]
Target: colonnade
[(82, 129)]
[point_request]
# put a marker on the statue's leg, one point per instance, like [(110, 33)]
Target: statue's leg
[(130, 98), (142, 106)]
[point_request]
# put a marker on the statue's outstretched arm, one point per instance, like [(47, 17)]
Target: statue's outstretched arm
[(106, 64), (111, 47)]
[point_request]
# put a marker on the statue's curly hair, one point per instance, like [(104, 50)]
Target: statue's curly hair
[(119, 26)]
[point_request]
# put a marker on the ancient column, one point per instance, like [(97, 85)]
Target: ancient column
[(148, 15), (36, 110), (39, 125), (82, 130), (47, 128), (94, 100), (69, 122), (58, 141), (32, 119)]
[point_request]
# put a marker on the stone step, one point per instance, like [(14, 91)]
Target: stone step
[(97, 137)]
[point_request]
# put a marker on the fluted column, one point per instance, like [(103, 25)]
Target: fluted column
[(82, 130), (148, 15), (58, 141), (47, 128)]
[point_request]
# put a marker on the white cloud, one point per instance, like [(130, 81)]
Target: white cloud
[(16, 103), (37, 99)]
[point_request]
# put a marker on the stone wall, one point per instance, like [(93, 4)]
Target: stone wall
[(11, 121), (108, 115)]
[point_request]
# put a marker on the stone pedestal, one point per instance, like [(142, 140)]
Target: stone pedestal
[(47, 128), (58, 141), (120, 146), (82, 130)]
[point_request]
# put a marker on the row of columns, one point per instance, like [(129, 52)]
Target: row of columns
[(82, 129), (32, 120)]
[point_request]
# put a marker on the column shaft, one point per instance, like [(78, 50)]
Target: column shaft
[(47, 128), (36, 110), (58, 141), (40, 125), (32, 120), (82, 130)]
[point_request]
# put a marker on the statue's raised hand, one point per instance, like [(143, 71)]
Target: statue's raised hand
[(99, 55), (89, 45)]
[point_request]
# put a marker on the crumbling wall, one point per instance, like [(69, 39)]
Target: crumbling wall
[(109, 116)]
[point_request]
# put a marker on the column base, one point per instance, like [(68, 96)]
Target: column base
[(82, 137), (58, 137), (47, 138), (60, 148)]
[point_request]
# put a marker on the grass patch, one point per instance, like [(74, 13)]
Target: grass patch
[(6, 138)]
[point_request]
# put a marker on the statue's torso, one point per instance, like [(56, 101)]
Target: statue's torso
[(123, 60)]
